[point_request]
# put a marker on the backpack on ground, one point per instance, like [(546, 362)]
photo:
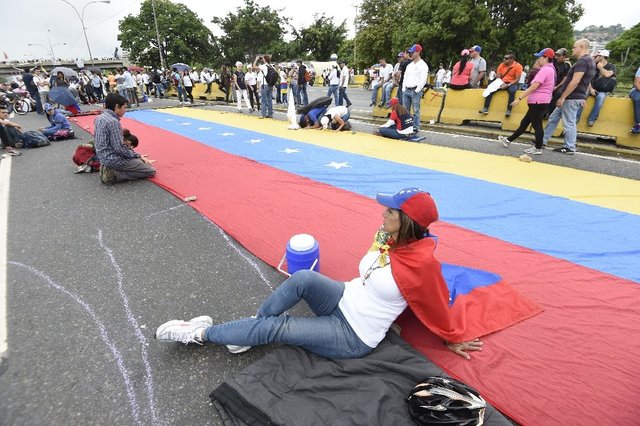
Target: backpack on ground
[(34, 139), (85, 158), (272, 76)]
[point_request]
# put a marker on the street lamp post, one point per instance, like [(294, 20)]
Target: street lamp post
[(355, 35), (84, 28)]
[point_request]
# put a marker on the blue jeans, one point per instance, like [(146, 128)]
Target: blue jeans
[(36, 97), (327, 334), (386, 92), (635, 99), (302, 94), (568, 113), (266, 99), (595, 112), (296, 94), (333, 91), (374, 91), (182, 97), (342, 96), (512, 96), (392, 132), (411, 100)]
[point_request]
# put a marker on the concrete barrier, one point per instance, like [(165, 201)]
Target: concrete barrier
[(461, 106), (430, 106), (615, 120), (358, 80)]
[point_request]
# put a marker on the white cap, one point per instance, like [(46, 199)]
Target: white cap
[(238, 64), (325, 122), (302, 242), (604, 52)]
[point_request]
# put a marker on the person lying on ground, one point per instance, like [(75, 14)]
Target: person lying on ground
[(400, 123), (117, 162), (351, 318), (57, 121)]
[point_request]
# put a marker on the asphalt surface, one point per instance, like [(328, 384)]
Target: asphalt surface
[(93, 270)]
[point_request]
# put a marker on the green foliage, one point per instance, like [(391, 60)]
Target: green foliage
[(445, 27), (625, 53), (376, 22), (183, 36), (322, 38), (251, 31)]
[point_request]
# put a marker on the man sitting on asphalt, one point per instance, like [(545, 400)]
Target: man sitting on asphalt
[(117, 162)]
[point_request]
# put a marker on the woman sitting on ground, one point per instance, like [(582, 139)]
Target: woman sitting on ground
[(400, 123), (352, 317), (57, 121), (461, 72)]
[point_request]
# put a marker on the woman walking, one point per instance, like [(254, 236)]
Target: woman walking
[(538, 97)]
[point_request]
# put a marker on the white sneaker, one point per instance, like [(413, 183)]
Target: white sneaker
[(505, 142), (237, 349), (533, 151), (183, 331)]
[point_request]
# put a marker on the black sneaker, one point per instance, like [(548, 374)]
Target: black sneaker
[(564, 150), (507, 113), (484, 111), (372, 104)]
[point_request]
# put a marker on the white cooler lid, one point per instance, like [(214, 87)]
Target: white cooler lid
[(302, 242)]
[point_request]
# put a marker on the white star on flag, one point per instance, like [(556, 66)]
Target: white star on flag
[(252, 141), (204, 128), (226, 134), (185, 124), (169, 119), (290, 150), (338, 165)]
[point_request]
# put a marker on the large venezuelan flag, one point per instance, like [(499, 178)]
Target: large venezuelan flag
[(565, 239)]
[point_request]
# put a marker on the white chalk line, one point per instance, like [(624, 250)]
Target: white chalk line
[(165, 210), (244, 256), (136, 330), (5, 175), (135, 408)]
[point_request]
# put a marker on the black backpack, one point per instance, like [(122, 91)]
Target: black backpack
[(272, 76)]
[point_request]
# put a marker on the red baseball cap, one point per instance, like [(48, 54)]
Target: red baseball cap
[(546, 52), (414, 202)]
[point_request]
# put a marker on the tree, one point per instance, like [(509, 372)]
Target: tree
[(375, 24), (183, 36), (527, 26), (253, 30), (443, 28), (322, 38), (625, 53)]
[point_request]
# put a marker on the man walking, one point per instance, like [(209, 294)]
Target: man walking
[(344, 83), (302, 84), (117, 162), (574, 93), (415, 78)]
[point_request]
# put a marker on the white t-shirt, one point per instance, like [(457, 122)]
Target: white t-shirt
[(371, 308), (334, 80), (340, 110), (344, 77), (440, 74), (250, 78), (129, 82), (415, 75), (386, 72), (262, 75), (41, 83)]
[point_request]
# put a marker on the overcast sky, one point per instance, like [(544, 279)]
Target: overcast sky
[(31, 21)]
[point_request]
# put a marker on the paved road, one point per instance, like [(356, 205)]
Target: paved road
[(93, 270)]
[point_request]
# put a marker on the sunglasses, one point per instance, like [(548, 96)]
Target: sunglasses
[(506, 58)]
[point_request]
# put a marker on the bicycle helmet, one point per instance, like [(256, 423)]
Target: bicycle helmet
[(445, 401)]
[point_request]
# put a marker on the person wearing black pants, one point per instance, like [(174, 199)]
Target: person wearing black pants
[(538, 97)]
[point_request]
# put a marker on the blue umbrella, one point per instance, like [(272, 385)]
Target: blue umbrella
[(181, 67), (62, 96)]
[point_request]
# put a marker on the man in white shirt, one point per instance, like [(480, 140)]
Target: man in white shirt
[(334, 83), (415, 78), (385, 72), (440, 75), (392, 82), (344, 83), (205, 77), (146, 81), (130, 86)]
